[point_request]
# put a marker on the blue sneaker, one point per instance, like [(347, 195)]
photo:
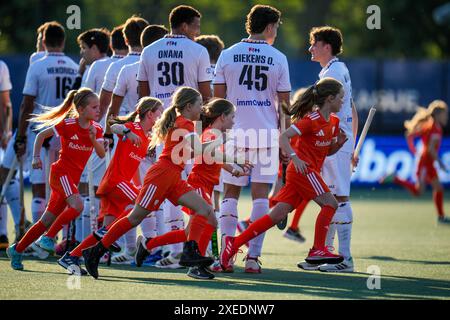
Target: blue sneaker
[(16, 257), (72, 265), (151, 259), (47, 244), (100, 233)]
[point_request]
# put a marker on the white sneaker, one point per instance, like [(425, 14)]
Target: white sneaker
[(308, 266), (252, 265), (124, 257), (344, 266), (37, 251), (169, 262)]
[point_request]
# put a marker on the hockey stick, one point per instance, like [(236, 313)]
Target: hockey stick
[(22, 224), (92, 213), (362, 137), (214, 243), (283, 223), (8, 179), (47, 174)]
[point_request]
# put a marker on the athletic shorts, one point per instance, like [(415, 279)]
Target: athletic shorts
[(265, 166), (337, 172), (62, 186), (219, 187), (426, 171), (163, 181), (203, 189), (300, 187), (118, 200)]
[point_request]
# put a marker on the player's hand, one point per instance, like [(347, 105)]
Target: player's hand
[(284, 157), (300, 165), (92, 133), (246, 166), (355, 161), (5, 137), (20, 146), (134, 138), (341, 138), (36, 163)]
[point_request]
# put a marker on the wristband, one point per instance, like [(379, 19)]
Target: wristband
[(108, 135), (126, 131)]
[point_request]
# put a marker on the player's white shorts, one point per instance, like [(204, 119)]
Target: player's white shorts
[(337, 173), (265, 166), (219, 187), (98, 170)]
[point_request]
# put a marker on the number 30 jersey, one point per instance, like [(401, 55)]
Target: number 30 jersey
[(254, 72), (172, 62), (50, 79)]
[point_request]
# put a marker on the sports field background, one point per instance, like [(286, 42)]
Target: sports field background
[(391, 230)]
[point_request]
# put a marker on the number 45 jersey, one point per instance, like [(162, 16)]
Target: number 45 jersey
[(49, 79), (254, 73), (171, 62)]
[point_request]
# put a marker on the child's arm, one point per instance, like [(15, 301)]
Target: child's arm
[(40, 138), (338, 142), (299, 164), (98, 146)]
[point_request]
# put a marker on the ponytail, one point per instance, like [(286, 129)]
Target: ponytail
[(423, 116), (143, 106), (214, 109)]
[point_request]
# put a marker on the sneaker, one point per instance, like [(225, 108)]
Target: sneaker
[(322, 256), (282, 224), (308, 266), (47, 244), (444, 220), (126, 257), (141, 252), (4, 242), (37, 251), (200, 273), (100, 233), (151, 259), (344, 266), (294, 235), (16, 257), (215, 267), (92, 257), (106, 258), (192, 257), (389, 178), (227, 252), (252, 265), (243, 225), (72, 265), (169, 262)]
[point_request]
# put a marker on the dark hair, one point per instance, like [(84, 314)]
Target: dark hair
[(259, 17), (152, 33), (99, 37), (54, 35), (328, 35), (315, 95), (144, 105), (133, 29), (214, 109), (182, 14), (213, 44), (117, 39)]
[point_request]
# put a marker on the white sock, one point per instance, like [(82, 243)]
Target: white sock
[(37, 208), (148, 226), (228, 218), (260, 208), (79, 228), (174, 221), (85, 217), (344, 220), (12, 194), (160, 221), (130, 240), (329, 241), (3, 219)]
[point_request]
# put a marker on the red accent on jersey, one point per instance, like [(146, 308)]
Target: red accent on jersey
[(126, 159), (316, 137), (76, 147), (432, 130), (172, 151)]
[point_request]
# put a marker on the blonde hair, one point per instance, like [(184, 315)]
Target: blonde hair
[(423, 116), (68, 109), (181, 98), (143, 106)]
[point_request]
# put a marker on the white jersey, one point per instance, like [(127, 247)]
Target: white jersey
[(113, 71), (85, 74), (172, 62), (127, 87), (35, 56), (338, 70), (254, 73), (50, 79), (97, 72), (5, 81)]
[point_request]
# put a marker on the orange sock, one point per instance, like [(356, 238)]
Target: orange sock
[(118, 229), (175, 236), (322, 223), (64, 218), (438, 198), (411, 187), (198, 223), (86, 243), (32, 234), (204, 239), (254, 229), (298, 214)]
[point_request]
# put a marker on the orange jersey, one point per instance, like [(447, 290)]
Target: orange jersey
[(126, 159), (434, 130), (204, 171), (76, 147), (172, 151), (316, 137)]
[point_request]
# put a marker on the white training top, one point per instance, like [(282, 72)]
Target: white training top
[(254, 72), (85, 74), (338, 70), (97, 72), (35, 56), (127, 87), (5, 81), (113, 71), (172, 62), (50, 79)]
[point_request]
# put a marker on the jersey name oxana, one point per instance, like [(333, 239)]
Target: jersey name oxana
[(49, 79), (338, 70), (254, 72), (171, 62)]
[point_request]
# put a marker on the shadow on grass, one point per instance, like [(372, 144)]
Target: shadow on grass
[(385, 258)]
